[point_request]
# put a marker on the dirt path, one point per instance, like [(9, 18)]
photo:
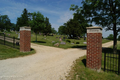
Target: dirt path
[(49, 63)]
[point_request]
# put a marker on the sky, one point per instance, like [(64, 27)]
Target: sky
[(56, 10)]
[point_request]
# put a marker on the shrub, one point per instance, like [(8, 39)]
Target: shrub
[(68, 41), (77, 43)]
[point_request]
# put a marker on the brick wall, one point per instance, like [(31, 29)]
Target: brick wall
[(94, 50), (25, 39)]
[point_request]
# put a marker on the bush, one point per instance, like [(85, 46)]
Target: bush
[(110, 37), (77, 43), (68, 41)]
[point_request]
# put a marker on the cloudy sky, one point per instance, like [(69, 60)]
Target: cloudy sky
[(56, 10)]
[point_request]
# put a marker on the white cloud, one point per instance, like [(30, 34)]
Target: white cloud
[(65, 17), (56, 26)]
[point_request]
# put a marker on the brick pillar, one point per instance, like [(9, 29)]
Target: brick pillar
[(25, 39), (94, 48)]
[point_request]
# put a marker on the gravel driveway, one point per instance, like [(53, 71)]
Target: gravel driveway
[(49, 63)]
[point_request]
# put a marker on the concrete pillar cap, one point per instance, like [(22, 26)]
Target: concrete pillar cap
[(25, 28), (94, 29)]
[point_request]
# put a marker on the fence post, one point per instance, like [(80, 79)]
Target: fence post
[(104, 60), (13, 41), (4, 38), (119, 63)]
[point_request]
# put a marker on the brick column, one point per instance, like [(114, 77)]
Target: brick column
[(25, 39), (94, 48)]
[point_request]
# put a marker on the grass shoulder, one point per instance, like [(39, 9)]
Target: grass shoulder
[(8, 52)]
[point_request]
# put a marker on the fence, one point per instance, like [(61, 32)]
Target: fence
[(9, 41), (112, 62)]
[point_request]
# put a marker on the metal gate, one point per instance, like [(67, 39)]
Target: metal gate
[(112, 62)]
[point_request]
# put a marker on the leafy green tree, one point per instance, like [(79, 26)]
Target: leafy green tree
[(103, 12), (119, 37), (47, 28), (23, 20), (62, 30), (110, 37), (73, 28), (5, 23), (37, 23), (54, 31), (13, 26)]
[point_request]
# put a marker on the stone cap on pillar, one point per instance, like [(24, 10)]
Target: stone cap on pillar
[(94, 30), (25, 28)]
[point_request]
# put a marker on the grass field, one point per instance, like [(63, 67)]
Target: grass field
[(51, 40), (79, 71)]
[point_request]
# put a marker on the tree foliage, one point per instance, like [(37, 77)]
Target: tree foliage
[(5, 23), (23, 20), (54, 31), (103, 12), (37, 23), (62, 30), (110, 37), (47, 28)]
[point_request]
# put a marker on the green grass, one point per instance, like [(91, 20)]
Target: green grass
[(8, 52), (79, 71), (47, 40)]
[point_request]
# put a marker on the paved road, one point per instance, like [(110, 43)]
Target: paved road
[(49, 63)]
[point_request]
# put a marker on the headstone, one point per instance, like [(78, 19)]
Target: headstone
[(84, 42), (60, 39), (63, 37), (53, 41), (62, 42), (57, 44), (19, 35)]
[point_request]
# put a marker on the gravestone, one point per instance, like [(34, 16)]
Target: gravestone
[(19, 35), (63, 43)]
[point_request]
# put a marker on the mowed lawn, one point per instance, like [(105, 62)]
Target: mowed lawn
[(51, 40)]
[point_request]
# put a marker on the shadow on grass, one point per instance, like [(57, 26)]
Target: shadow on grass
[(84, 62), (38, 41), (31, 49), (81, 47)]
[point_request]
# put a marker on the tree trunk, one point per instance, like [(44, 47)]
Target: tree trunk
[(36, 37), (115, 39)]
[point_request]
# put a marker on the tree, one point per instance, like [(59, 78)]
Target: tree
[(47, 28), (73, 28), (5, 23), (62, 30), (103, 12), (13, 26), (54, 31), (23, 20), (119, 37), (37, 23), (110, 37)]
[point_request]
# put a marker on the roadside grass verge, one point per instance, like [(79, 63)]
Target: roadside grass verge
[(8, 52), (79, 71)]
